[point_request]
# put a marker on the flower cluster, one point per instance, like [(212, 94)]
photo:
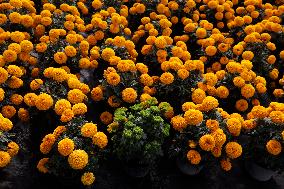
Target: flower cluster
[(215, 66)]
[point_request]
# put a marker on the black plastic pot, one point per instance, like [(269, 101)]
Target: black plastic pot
[(258, 172), (187, 168)]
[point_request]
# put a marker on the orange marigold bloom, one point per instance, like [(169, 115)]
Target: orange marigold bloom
[(193, 157), (207, 142), (273, 147), (129, 95)]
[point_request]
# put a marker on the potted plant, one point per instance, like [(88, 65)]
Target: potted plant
[(205, 136), (137, 136), (73, 150), (263, 153)]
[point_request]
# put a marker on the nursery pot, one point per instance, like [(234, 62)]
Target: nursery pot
[(257, 172), (135, 169), (188, 168)]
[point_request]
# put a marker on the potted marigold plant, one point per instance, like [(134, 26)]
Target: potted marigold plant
[(205, 136), (137, 136), (263, 151), (73, 149)]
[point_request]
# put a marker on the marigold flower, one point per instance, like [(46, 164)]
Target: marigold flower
[(89, 130), (9, 55), (41, 166), (179, 123), (88, 178), (79, 109), (5, 159), (75, 96), (78, 159), (129, 95), (43, 101), (113, 79), (70, 51), (247, 91), (97, 94), (106, 117), (167, 78), (207, 142), (198, 95), (193, 117), (241, 105), (100, 139), (234, 126), (233, 150), (60, 57), (193, 157), (209, 103), (277, 116), (47, 143), (67, 115), (107, 53), (65, 146), (226, 164)]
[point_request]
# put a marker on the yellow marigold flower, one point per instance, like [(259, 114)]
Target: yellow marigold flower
[(193, 157), (273, 147), (277, 117), (106, 117), (129, 95), (13, 148), (3, 75), (26, 46), (15, 17), (47, 143), (60, 57), (78, 159), (207, 142), (30, 99), (248, 124), (15, 47), (9, 55), (88, 178), (113, 79), (100, 139), (247, 91), (58, 131), (226, 164), (79, 109), (43, 101), (97, 94), (14, 70), (241, 105), (89, 130), (188, 105), (211, 124), (71, 38), (5, 159), (23, 114), (36, 84), (107, 53), (222, 92), (161, 42), (61, 105), (233, 150), (247, 55), (209, 103), (183, 74), (41, 165), (70, 51), (15, 83), (167, 78), (67, 115), (259, 112), (198, 96), (193, 117), (8, 111), (210, 79), (73, 83), (75, 96), (178, 123), (234, 126), (5, 124), (46, 21), (201, 33), (65, 146), (211, 50), (239, 82), (146, 80), (17, 36)]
